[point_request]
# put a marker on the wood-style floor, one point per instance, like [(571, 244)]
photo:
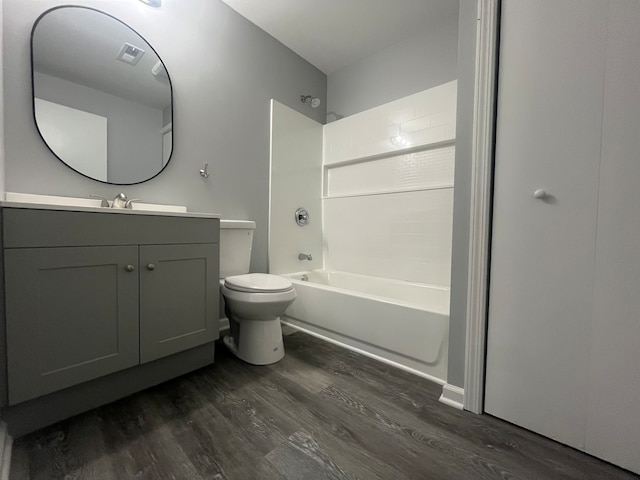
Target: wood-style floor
[(320, 413)]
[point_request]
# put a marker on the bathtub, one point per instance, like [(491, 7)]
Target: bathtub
[(402, 324)]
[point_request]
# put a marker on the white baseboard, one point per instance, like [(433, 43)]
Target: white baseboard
[(452, 396), (6, 442)]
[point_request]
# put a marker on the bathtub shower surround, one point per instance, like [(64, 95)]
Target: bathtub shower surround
[(296, 178), (388, 208), (386, 189)]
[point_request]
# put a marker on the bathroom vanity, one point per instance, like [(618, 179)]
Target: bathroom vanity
[(100, 304)]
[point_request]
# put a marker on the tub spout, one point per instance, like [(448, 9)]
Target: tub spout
[(304, 256)]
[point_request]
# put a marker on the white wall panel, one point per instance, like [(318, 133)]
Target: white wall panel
[(388, 213), (403, 236), (419, 170), (423, 118), (296, 181)]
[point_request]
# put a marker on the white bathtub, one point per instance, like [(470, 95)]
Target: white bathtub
[(400, 323)]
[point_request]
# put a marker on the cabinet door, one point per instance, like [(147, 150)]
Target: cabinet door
[(72, 315), (178, 298)]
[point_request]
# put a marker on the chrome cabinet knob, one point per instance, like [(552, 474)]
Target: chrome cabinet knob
[(151, 266), (129, 268), (540, 193)]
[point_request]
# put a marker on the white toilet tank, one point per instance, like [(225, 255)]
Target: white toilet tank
[(236, 238)]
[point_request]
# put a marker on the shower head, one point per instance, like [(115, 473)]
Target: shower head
[(314, 101)]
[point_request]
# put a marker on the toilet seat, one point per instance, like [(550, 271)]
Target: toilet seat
[(258, 283)]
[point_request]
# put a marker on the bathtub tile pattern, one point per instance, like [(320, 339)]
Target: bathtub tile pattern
[(419, 170), (423, 118), (388, 213), (403, 236)]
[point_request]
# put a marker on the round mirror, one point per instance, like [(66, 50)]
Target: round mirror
[(102, 98)]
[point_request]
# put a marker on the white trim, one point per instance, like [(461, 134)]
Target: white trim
[(2, 154), (6, 443), (480, 208), (425, 147), (270, 202), (452, 396), (442, 186)]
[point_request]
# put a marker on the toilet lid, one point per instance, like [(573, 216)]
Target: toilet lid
[(258, 282)]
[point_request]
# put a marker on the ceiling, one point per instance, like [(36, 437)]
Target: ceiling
[(331, 34)]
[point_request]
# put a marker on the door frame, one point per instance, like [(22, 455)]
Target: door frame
[(484, 112)]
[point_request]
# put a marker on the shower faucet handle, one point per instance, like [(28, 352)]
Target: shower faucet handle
[(305, 256), (302, 217)]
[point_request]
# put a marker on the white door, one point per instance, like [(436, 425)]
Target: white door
[(613, 407), (564, 308), (541, 288)]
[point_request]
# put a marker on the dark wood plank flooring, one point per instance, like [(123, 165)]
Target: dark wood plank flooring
[(321, 413)]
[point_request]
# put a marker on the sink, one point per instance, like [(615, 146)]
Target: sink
[(157, 207), (87, 202)]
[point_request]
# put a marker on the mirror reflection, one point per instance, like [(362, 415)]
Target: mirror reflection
[(102, 97)]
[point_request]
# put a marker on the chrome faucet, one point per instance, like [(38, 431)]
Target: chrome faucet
[(103, 203), (304, 256), (130, 202), (120, 201)]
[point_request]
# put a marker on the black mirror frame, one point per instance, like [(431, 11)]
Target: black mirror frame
[(33, 97)]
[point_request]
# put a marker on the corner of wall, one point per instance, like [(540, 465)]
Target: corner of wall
[(468, 18)]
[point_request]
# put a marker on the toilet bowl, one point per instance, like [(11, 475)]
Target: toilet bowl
[(253, 305), (253, 301)]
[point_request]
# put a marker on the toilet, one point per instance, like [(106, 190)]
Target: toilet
[(253, 301)]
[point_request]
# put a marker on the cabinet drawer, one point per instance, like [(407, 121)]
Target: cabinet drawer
[(26, 228)]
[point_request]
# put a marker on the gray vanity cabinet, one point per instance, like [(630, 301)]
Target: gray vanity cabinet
[(178, 298), (91, 294), (72, 315)]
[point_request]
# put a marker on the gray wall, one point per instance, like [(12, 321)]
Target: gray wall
[(224, 72), (415, 64), (134, 140), (461, 195)]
